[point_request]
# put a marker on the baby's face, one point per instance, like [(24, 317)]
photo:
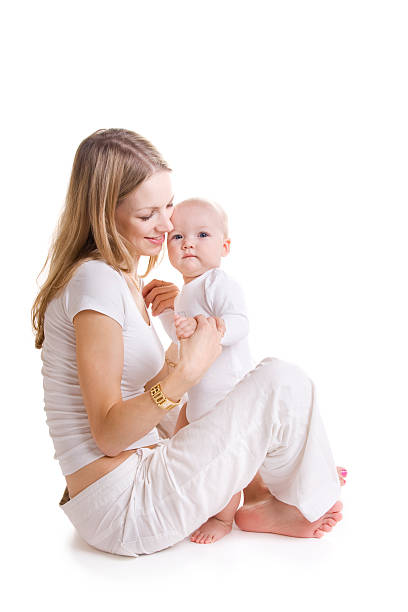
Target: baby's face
[(197, 242)]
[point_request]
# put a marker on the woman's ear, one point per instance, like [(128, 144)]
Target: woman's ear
[(226, 246)]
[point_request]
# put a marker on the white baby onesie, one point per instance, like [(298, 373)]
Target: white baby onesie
[(214, 293)]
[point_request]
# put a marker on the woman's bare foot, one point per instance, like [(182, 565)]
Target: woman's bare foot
[(342, 472), (273, 516), (212, 530)]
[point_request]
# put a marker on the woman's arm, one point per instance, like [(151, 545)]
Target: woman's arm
[(171, 360), (116, 423)]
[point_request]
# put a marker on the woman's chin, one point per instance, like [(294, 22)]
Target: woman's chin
[(150, 250)]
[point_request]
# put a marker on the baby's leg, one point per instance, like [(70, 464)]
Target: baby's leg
[(181, 420), (219, 525)]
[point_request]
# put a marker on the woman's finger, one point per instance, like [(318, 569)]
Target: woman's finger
[(168, 291), (220, 325), (154, 283), (212, 322), (202, 321), (161, 304), (159, 294), (156, 288)]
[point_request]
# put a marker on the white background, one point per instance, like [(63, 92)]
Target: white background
[(293, 115)]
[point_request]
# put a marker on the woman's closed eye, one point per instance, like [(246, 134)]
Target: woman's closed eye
[(171, 205)]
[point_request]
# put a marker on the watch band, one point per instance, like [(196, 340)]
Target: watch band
[(160, 399)]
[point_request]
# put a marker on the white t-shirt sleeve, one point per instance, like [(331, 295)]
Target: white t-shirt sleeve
[(226, 300), (95, 286), (167, 320)]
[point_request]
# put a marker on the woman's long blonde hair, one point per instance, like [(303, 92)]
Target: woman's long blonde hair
[(108, 165)]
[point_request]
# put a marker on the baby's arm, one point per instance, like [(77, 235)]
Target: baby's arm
[(181, 419), (236, 326), (167, 320), (227, 301)]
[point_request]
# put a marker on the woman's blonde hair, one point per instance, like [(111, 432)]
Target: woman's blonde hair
[(108, 165)]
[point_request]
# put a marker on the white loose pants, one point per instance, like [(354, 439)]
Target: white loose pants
[(157, 497)]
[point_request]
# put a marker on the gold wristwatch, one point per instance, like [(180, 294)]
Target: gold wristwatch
[(161, 400)]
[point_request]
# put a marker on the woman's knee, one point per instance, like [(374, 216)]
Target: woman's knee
[(282, 373), (290, 383)]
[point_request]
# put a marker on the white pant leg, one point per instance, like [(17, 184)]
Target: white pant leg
[(269, 421)]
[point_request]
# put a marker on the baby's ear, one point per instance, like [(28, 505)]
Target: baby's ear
[(226, 247)]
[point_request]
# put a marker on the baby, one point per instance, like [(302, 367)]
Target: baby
[(196, 245)]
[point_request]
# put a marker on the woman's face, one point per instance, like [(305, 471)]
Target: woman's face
[(143, 216)]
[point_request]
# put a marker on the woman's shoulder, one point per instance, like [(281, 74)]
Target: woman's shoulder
[(95, 285), (94, 273), (92, 267)]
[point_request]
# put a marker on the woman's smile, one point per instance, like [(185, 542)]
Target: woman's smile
[(156, 240)]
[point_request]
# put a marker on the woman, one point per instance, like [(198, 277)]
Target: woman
[(108, 383)]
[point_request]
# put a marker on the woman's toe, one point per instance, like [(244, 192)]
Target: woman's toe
[(336, 508)]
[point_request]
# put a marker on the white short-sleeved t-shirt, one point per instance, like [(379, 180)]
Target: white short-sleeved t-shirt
[(94, 286)]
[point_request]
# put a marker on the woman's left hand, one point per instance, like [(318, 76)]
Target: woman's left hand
[(160, 295), (172, 353)]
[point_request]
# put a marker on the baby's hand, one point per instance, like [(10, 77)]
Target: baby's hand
[(185, 326)]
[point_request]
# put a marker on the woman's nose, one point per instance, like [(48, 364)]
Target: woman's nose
[(164, 224)]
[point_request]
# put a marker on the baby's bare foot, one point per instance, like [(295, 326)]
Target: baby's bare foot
[(342, 472), (212, 530), (273, 516)]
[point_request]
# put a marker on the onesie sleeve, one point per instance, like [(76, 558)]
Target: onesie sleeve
[(167, 320), (95, 286), (226, 300)]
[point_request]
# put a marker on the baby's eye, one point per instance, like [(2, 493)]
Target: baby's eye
[(176, 236), (202, 235)]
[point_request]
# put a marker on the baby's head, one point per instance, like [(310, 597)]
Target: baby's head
[(199, 238)]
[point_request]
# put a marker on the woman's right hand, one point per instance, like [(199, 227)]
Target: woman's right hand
[(160, 295), (201, 349)]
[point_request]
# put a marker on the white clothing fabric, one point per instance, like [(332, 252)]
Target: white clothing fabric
[(157, 497), (215, 293), (94, 286)]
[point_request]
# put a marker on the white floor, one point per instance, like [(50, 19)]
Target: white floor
[(357, 566)]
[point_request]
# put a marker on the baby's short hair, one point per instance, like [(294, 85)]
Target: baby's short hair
[(217, 207)]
